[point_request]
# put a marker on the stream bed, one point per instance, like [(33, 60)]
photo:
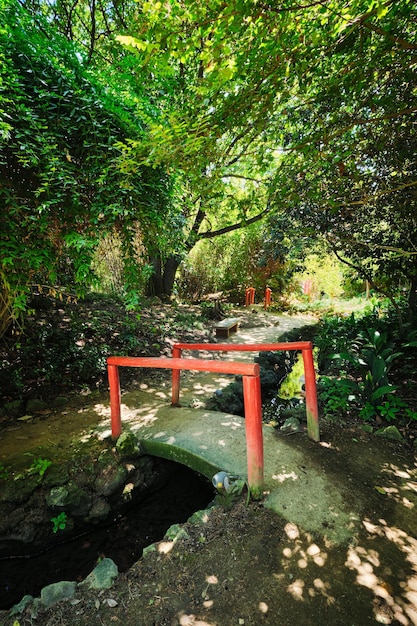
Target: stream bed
[(123, 540)]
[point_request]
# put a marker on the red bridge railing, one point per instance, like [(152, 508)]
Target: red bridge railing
[(250, 373), (306, 348)]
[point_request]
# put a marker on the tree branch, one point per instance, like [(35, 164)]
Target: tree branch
[(255, 180), (209, 234), (372, 197)]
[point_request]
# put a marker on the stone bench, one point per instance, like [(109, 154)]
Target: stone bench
[(227, 326)]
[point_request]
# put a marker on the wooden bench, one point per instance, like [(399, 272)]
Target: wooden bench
[(227, 326)]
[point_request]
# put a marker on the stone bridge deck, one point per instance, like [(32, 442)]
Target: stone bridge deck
[(295, 485)]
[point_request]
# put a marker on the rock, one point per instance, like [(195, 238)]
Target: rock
[(99, 511), (147, 549), (63, 590), (57, 475), (70, 497), (20, 490), (59, 401), (176, 532), (21, 606), (35, 405), (102, 576), (112, 478), (390, 432), (79, 501), (12, 409), (127, 445), (292, 425), (200, 517), (57, 497)]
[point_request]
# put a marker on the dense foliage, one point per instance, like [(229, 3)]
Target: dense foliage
[(313, 106), (177, 122), (368, 368), (65, 346), (60, 178)]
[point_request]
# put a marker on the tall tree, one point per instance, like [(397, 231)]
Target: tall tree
[(313, 99)]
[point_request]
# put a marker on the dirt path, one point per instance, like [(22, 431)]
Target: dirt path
[(49, 430), (245, 565)]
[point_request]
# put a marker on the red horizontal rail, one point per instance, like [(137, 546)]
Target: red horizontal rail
[(306, 347), (245, 347), (251, 392), (200, 365)]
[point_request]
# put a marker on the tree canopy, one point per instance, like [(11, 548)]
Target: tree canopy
[(207, 117), (315, 103)]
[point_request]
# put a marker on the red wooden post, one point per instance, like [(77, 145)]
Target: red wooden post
[(254, 435), (311, 395), (114, 386), (268, 292), (306, 348), (176, 374), (250, 296)]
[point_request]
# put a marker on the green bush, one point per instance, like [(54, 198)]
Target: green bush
[(376, 355)]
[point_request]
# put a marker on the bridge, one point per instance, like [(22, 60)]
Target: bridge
[(250, 373), (281, 469)]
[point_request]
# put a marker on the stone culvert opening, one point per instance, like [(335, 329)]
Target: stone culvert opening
[(114, 507)]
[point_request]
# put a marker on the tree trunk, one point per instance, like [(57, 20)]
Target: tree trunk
[(170, 270), (412, 302), (162, 280)]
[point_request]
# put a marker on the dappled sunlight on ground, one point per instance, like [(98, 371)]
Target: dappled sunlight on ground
[(233, 424), (191, 620), (300, 552), (137, 418), (395, 592), (285, 476), (401, 484), (202, 385)]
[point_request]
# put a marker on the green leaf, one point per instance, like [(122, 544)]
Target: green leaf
[(383, 391), (379, 369)]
